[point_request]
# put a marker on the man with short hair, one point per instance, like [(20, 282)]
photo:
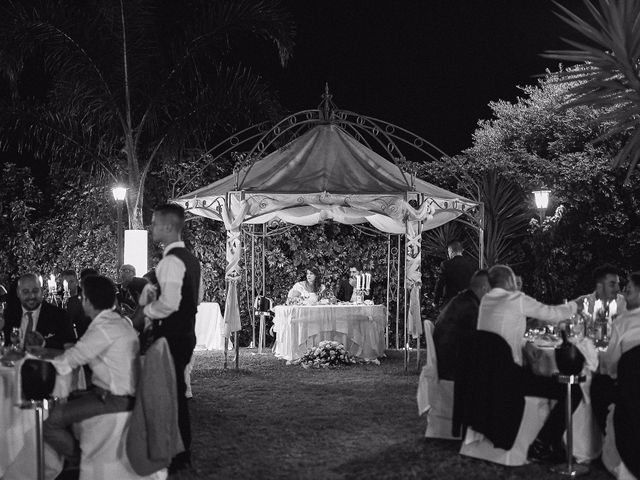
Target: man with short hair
[(504, 310), (346, 291), (625, 334), (607, 289), (458, 319), (110, 348), (39, 322), (455, 274), (173, 313), (129, 289)]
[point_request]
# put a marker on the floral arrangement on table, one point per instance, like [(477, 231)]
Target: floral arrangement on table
[(328, 354)]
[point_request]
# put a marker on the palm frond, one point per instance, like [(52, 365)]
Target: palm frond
[(610, 77)]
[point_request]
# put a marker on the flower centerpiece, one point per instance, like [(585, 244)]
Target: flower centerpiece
[(328, 354)]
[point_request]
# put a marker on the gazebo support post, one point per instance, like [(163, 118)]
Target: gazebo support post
[(398, 297), (481, 236), (386, 338)]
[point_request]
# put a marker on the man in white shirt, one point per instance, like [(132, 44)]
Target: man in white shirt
[(504, 311), (625, 334), (110, 347)]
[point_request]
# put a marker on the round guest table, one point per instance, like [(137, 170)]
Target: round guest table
[(209, 327), (18, 426)]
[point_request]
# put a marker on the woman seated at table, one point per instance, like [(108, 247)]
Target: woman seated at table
[(309, 289)]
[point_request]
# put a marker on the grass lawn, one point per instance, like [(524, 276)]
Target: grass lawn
[(277, 421)]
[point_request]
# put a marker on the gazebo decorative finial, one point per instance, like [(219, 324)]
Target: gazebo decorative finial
[(326, 106)]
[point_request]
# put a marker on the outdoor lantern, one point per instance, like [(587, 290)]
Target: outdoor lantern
[(542, 201), (119, 193)]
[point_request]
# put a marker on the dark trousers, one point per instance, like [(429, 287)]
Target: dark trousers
[(80, 406), (604, 392), (549, 387), (181, 348)]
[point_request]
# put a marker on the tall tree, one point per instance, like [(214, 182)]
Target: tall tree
[(118, 84), (610, 52)]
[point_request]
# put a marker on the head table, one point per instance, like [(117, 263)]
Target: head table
[(359, 327)]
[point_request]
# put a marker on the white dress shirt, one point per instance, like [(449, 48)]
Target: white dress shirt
[(170, 273), (505, 312), (625, 334), (110, 347), (35, 314)]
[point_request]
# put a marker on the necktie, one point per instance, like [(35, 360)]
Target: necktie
[(29, 322)]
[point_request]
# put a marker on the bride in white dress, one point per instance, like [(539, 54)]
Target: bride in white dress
[(309, 289)]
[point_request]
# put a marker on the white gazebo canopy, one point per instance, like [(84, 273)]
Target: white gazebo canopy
[(327, 174)]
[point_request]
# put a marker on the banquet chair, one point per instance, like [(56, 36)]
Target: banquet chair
[(435, 396), (620, 449), (103, 449), (489, 402)]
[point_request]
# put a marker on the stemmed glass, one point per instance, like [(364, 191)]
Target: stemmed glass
[(15, 338)]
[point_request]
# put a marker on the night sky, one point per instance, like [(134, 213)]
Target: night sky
[(431, 66)]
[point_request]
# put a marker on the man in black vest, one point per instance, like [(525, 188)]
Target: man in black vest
[(173, 313)]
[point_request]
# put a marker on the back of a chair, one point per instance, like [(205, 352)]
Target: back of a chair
[(488, 393), (38, 379), (626, 418)]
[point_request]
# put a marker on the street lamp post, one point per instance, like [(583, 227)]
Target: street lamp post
[(542, 202), (119, 194)]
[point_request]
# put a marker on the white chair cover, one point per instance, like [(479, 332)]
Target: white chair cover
[(435, 396), (103, 444), (476, 445), (610, 456)]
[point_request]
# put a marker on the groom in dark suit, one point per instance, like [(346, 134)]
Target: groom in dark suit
[(38, 320), (344, 293)]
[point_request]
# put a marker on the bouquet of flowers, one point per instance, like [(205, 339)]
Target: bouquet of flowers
[(328, 354)]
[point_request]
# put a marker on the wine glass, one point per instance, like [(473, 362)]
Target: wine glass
[(15, 338)]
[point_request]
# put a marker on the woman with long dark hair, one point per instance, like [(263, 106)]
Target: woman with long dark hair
[(310, 288)]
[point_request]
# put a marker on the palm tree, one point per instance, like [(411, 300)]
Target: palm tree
[(122, 84), (610, 78)]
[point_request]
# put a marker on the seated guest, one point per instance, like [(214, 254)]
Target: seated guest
[(308, 289), (607, 288), (625, 334), (503, 310), (40, 323), (110, 348), (73, 305), (129, 289), (459, 318), (346, 291)]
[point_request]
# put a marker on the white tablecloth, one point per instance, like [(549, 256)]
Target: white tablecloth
[(587, 438), (17, 426), (210, 327), (359, 327)]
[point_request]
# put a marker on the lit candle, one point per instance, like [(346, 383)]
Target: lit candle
[(597, 306), (52, 282), (367, 277), (585, 305), (358, 282), (65, 286)]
